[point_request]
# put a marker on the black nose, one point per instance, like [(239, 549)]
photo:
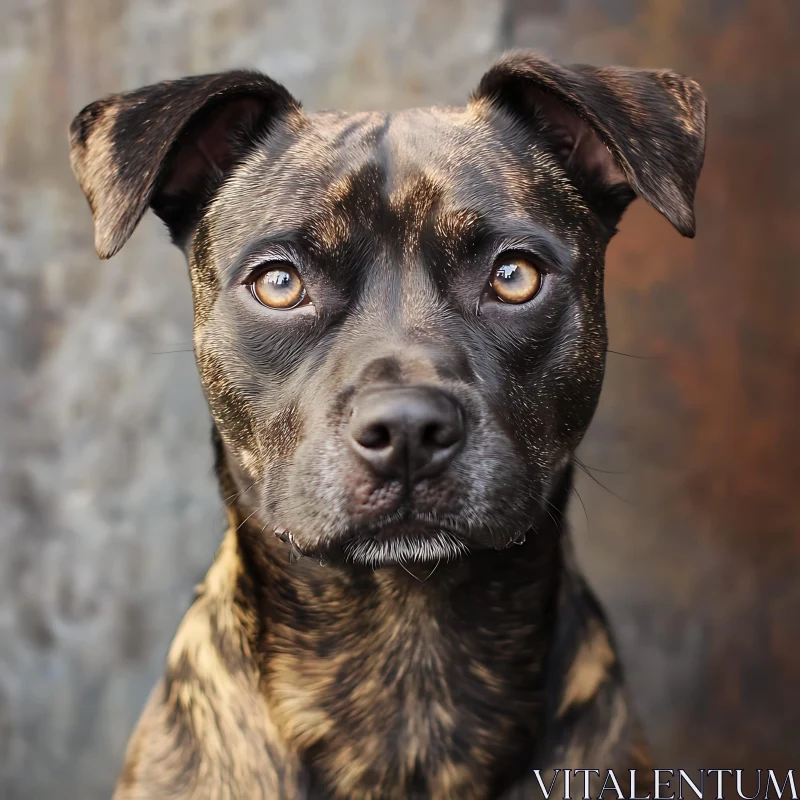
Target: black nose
[(408, 433)]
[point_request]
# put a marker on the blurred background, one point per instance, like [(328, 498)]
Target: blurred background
[(689, 527)]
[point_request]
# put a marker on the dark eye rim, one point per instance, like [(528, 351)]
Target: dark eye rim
[(510, 255), (273, 266)]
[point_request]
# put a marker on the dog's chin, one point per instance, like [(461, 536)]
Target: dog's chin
[(410, 545), (398, 541)]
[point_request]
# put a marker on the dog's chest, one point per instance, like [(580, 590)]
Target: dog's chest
[(396, 712)]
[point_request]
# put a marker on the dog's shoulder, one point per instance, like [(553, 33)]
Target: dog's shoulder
[(591, 721), (206, 731)]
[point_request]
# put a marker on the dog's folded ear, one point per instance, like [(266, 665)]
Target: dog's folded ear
[(168, 146), (618, 132)]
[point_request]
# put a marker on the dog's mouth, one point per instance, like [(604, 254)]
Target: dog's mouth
[(397, 540)]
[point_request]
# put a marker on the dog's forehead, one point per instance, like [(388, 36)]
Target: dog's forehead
[(330, 170)]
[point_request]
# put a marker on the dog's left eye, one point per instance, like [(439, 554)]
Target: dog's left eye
[(515, 279), (279, 286)]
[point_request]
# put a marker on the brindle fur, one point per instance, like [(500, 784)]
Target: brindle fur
[(319, 678)]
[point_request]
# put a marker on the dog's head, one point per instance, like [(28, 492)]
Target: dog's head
[(399, 318)]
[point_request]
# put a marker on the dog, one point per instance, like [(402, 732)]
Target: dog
[(399, 327)]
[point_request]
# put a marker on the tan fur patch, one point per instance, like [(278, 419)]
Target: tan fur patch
[(233, 749), (589, 668), (93, 163)]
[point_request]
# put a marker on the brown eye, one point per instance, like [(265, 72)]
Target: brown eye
[(515, 280), (279, 287)]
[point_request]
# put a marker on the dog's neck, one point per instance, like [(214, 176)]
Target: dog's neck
[(435, 671)]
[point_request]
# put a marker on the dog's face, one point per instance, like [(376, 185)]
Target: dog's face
[(404, 338), (398, 318)]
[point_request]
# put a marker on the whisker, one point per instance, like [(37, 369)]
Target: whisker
[(438, 561), (246, 518), (409, 571), (603, 486), (597, 469), (585, 514), (631, 355), (236, 495), (167, 352)]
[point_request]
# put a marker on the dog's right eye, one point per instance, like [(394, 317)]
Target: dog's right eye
[(279, 286)]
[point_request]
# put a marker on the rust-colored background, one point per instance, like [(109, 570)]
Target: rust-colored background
[(108, 512)]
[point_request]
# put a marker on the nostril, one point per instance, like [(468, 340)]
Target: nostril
[(442, 434), (436, 435), (431, 435), (375, 437)]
